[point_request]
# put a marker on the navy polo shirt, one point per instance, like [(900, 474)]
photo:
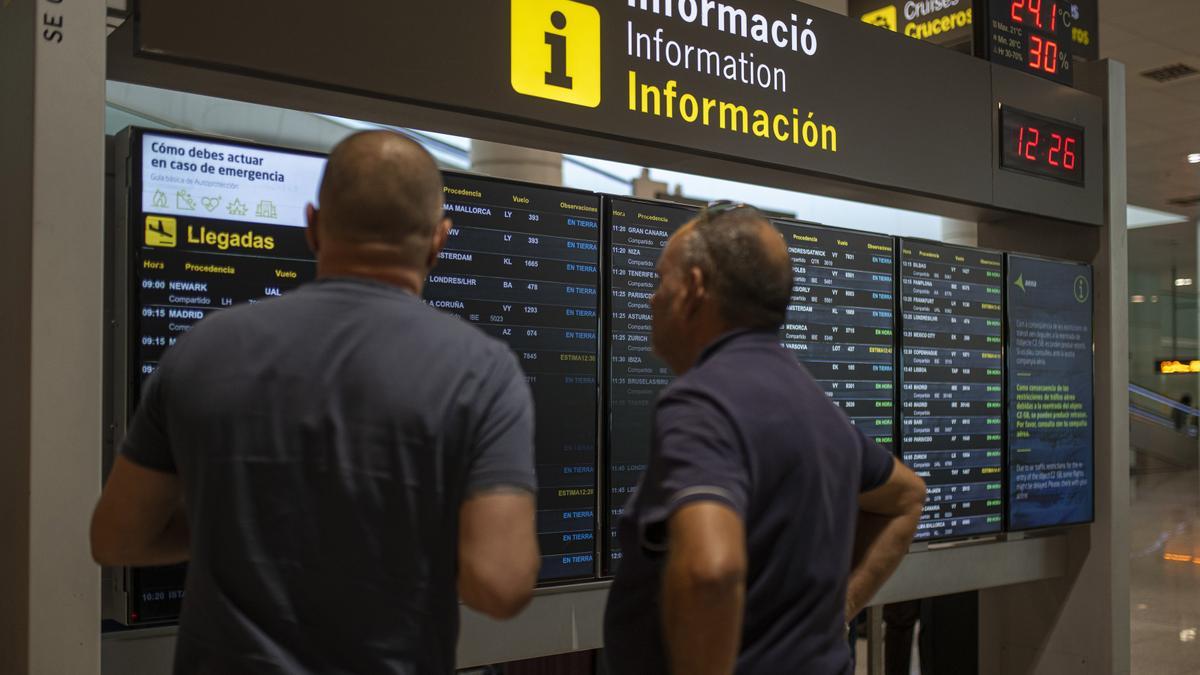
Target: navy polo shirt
[(750, 428)]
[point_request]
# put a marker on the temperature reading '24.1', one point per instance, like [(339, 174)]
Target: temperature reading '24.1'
[(1044, 53), (1036, 13)]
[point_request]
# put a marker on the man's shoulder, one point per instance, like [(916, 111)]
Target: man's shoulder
[(746, 379), (745, 363)]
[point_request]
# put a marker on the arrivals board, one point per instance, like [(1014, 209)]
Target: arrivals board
[(637, 234), (951, 382), (841, 321), (212, 224), (522, 263), (1050, 383)]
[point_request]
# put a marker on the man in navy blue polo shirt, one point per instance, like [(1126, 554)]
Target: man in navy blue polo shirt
[(765, 519)]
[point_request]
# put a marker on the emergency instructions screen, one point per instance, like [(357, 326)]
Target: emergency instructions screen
[(1051, 458), (213, 224), (841, 321), (637, 234), (522, 263), (951, 392), (220, 225)]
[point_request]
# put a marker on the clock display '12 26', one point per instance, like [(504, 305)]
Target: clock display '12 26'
[(1041, 146)]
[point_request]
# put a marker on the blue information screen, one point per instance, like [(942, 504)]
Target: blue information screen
[(1050, 408)]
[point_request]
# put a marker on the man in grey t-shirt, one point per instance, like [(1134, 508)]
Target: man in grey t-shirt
[(335, 462)]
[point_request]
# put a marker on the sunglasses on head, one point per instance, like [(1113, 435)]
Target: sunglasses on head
[(721, 207)]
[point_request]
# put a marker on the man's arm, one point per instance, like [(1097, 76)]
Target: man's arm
[(887, 520), (704, 588), (140, 520), (498, 557)]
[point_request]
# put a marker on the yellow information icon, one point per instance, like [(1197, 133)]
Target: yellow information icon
[(161, 232), (1083, 289), (556, 51), (884, 18)]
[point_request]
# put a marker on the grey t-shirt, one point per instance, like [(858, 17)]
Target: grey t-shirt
[(325, 441)]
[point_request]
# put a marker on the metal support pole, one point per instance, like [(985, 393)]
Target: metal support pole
[(875, 640), (51, 276)]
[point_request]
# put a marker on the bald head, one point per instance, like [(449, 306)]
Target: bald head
[(381, 187), (746, 264)]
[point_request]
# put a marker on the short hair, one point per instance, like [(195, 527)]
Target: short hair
[(746, 263), (381, 186)]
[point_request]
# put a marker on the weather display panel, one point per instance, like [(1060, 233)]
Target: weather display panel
[(841, 321), (637, 234), (522, 264), (951, 385)]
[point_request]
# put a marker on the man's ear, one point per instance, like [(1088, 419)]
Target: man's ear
[(440, 235), (310, 233), (695, 291)]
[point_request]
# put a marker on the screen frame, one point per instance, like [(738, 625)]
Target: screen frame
[(598, 412), (1021, 169), (1092, 362), (606, 202), (1003, 530)]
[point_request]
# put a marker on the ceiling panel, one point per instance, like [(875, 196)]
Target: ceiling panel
[(1144, 133), (1181, 33), (1158, 16), (1112, 35), (1163, 119), (1145, 55), (1187, 90)]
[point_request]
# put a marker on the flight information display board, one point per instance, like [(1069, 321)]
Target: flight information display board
[(637, 234), (1050, 388), (523, 264), (951, 385), (841, 321), (212, 224)]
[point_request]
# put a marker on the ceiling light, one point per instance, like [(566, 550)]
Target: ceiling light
[(1194, 158), (1137, 299), (1185, 281), (1154, 298)]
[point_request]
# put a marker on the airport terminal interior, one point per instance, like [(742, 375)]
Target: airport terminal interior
[(992, 209)]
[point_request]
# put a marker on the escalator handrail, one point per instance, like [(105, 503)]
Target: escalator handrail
[(1159, 398)]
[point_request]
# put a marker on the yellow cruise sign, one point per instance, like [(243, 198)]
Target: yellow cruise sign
[(556, 51), (884, 18)]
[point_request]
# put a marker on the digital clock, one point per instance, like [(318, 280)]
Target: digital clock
[(1041, 146), (1030, 35)]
